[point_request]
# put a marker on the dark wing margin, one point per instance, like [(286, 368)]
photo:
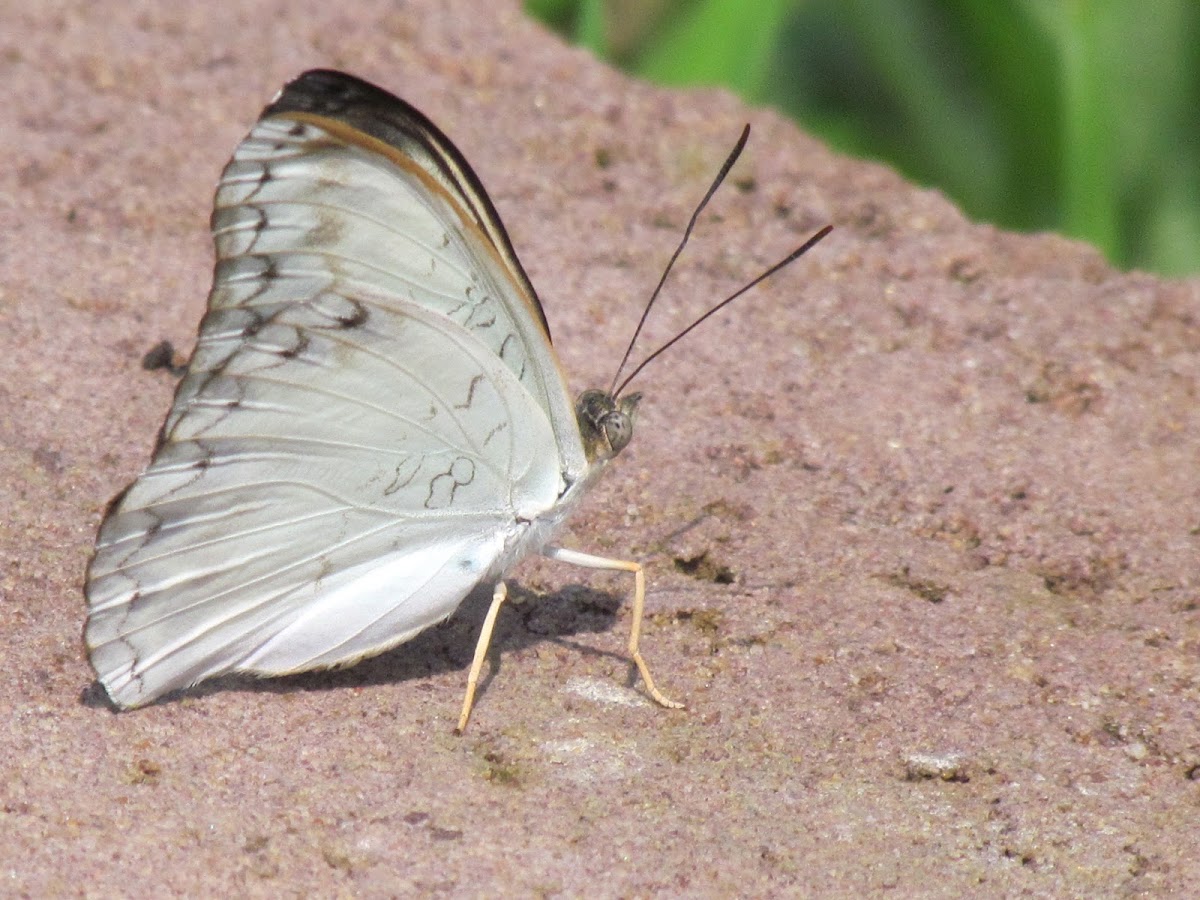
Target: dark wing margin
[(384, 116)]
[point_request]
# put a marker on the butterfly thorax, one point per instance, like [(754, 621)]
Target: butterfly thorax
[(605, 423), (605, 429)]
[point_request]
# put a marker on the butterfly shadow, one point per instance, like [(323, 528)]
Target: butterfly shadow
[(528, 618)]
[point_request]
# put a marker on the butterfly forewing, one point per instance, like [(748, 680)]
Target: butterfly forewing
[(397, 130), (371, 418), (305, 204)]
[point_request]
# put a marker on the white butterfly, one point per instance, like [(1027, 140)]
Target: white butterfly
[(373, 421)]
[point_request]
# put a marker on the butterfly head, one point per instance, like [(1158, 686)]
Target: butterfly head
[(605, 423)]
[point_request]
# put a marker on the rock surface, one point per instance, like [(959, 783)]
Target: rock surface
[(921, 516)]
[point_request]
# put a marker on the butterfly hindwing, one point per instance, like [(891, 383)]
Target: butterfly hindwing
[(316, 454)]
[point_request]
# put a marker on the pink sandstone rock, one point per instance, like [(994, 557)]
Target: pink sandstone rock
[(920, 516)]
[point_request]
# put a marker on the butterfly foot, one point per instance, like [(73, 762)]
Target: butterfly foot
[(658, 696)]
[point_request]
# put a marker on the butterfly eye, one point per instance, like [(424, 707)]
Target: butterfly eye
[(618, 429), (606, 425), (618, 423)]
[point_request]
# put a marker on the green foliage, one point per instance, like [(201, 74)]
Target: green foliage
[(1072, 115)]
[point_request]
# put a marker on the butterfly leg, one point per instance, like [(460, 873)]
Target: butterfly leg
[(481, 648), (639, 604)]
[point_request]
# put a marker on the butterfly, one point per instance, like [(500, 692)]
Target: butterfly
[(372, 424)]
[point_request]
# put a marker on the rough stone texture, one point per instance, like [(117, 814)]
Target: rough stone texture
[(921, 517)]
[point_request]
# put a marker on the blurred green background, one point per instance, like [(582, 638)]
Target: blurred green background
[(1066, 115)]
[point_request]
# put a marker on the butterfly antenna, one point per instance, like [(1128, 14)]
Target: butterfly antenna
[(687, 233), (787, 260)]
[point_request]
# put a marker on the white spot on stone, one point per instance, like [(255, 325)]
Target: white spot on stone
[(584, 760), (599, 691), (946, 766)]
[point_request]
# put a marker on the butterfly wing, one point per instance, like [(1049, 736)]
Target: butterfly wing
[(340, 179), (372, 417)]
